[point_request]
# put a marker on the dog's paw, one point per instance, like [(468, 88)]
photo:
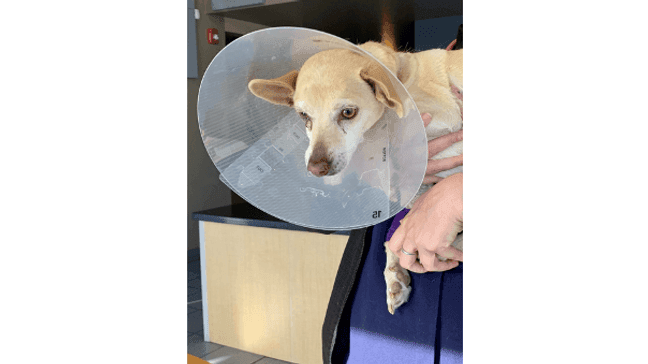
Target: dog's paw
[(398, 282)]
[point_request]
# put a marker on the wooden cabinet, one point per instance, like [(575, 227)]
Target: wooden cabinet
[(266, 290)]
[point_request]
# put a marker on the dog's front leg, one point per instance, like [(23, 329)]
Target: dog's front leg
[(398, 281)]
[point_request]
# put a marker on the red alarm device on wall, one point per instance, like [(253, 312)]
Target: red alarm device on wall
[(212, 36)]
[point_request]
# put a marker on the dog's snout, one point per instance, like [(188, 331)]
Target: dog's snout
[(319, 164), (319, 168)]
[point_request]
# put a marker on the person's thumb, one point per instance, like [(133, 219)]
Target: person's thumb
[(427, 119)]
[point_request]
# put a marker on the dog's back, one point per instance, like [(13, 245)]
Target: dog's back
[(434, 79)]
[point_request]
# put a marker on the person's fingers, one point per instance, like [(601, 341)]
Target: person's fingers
[(450, 253), (431, 179), (415, 267), (409, 247), (437, 165), (439, 144), (427, 119), (431, 263), (396, 242), (441, 266), (427, 260), (408, 261)]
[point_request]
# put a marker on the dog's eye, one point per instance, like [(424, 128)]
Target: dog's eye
[(349, 113), (307, 119)]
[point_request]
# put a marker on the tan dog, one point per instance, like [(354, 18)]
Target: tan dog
[(341, 94)]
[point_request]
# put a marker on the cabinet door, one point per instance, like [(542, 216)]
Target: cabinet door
[(192, 48)]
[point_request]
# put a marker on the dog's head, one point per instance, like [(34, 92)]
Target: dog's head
[(339, 95)]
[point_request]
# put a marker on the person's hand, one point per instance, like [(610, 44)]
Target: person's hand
[(430, 228), (435, 147)]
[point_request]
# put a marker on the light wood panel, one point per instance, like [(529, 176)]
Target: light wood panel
[(195, 360), (268, 289)]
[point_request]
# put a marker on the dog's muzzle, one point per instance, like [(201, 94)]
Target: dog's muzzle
[(319, 168)]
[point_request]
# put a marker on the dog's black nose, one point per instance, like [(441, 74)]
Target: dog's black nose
[(318, 168)]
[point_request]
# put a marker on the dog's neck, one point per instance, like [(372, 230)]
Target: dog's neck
[(408, 66)]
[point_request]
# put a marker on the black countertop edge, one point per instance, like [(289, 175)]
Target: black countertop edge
[(247, 215)]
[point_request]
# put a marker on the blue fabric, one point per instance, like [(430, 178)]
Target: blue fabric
[(369, 347), (426, 329), (396, 223)]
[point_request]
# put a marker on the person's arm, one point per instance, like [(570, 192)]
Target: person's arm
[(436, 217)]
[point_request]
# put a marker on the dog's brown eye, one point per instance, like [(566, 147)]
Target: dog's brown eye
[(306, 118), (349, 113)]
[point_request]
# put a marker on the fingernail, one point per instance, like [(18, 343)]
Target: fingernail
[(426, 116)]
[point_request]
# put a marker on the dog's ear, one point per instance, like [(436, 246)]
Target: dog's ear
[(385, 92), (278, 91)]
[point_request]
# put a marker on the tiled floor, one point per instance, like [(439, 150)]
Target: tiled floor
[(196, 346)]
